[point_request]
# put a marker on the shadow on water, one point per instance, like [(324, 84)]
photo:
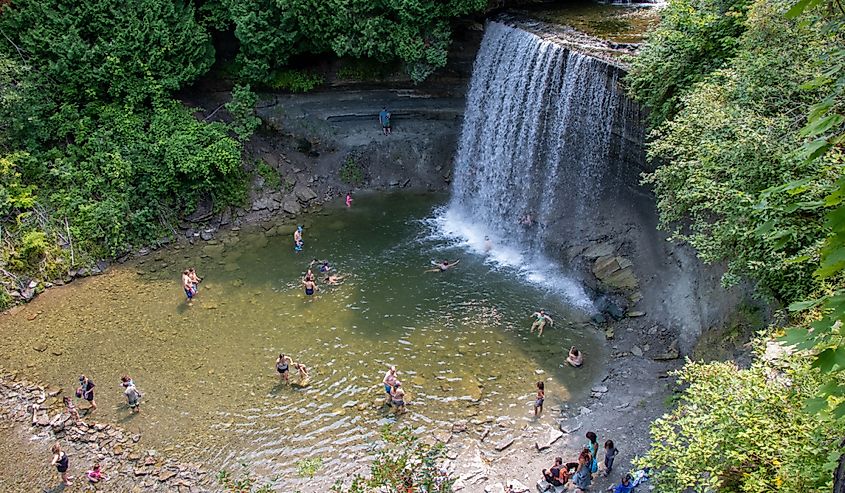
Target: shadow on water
[(459, 338)]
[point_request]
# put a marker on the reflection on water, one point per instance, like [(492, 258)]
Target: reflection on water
[(460, 340)]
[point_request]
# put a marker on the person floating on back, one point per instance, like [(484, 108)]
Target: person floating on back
[(576, 357), (443, 266), (542, 318), (384, 119)]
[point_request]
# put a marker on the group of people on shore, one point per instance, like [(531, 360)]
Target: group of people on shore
[(62, 463), (85, 391), (580, 474)]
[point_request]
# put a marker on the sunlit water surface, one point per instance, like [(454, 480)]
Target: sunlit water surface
[(459, 338)]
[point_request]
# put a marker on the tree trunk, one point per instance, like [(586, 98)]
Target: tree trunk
[(839, 474)]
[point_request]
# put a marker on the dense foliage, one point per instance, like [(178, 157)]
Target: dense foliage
[(729, 149), (750, 173), (270, 32), (744, 430), (105, 49), (95, 155), (694, 38)]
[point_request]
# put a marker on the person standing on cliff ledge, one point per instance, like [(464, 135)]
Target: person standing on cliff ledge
[(384, 119)]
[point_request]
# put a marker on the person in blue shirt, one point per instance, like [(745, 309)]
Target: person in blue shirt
[(384, 119)]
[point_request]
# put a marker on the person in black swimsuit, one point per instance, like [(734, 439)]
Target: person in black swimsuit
[(283, 363), (60, 460), (86, 391)]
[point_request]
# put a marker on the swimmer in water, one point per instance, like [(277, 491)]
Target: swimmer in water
[(488, 245), (309, 276), (542, 318), (297, 239), (576, 357), (333, 280), (310, 286), (443, 266), (303, 372)]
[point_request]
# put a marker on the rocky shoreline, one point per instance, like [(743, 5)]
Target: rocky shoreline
[(121, 454)]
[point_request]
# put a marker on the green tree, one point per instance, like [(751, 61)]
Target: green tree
[(417, 32), (242, 109), (726, 153), (101, 49), (694, 38), (744, 430)]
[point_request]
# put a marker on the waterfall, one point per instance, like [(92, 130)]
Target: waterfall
[(543, 138)]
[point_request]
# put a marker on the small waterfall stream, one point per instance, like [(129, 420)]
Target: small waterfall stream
[(540, 148)]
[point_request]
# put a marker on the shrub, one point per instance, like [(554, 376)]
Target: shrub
[(351, 172), (242, 109), (295, 80)]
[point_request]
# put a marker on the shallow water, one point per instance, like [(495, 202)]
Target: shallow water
[(621, 23), (460, 340)]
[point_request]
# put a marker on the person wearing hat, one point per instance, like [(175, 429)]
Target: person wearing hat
[(86, 391)]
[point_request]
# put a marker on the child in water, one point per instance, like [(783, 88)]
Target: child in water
[(71, 409), (541, 397), (348, 200)]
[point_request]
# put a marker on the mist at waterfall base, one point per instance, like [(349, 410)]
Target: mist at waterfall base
[(537, 141)]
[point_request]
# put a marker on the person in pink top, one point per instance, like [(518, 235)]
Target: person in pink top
[(96, 475), (348, 200)]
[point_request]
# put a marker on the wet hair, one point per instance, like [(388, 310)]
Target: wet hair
[(186, 272), (445, 262), (608, 444), (281, 355), (192, 269), (541, 385), (591, 436), (125, 378), (627, 478), (56, 448), (575, 351)]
